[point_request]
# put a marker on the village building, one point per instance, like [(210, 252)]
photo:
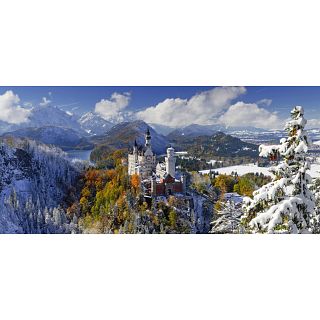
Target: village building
[(157, 179)]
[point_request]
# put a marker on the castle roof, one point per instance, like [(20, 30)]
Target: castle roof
[(141, 149)]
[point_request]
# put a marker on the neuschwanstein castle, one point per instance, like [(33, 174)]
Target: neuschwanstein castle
[(157, 179)]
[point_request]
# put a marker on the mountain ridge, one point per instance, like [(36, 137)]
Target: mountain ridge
[(62, 137)]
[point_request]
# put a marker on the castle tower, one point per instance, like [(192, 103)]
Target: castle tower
[(135, 148), (170, 162), (148, 138), (153, 186), (133, 159), (135, 152)]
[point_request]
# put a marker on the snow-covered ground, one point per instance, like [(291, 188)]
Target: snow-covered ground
[(315, 170), (213, 162), (240, 169), (253, 168)]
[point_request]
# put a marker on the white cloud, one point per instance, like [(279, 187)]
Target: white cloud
[(113, 109), (10, 111), (249, 114), (264, 102), (27, 104), (313, 123), (202, 108), (45, 102)]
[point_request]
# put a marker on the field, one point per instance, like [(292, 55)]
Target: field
[(253, 168)]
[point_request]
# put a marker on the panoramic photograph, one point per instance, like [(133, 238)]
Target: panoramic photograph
[(159, 160)]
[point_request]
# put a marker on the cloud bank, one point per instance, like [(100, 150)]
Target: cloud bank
[(250, 114), (203, 108), (264, 102), (10, 111), (113, 109)]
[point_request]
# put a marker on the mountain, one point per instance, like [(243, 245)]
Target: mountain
[(35, 182), (52, 116), (218, 144), (244, 129), (162, 129), (45, 116), (94, 124), (62, 137), (88, 124), (122, 136), (4, 126), (194, 130)]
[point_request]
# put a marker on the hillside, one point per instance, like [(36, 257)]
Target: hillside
[(35, 182), (216, 145), (122, 136), (193, 130), (64, 138), (196, 130)]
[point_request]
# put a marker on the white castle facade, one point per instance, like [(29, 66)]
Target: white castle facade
[(160, 176), (142, 160)]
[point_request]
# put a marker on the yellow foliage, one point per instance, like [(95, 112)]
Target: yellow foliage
[(135, 181)]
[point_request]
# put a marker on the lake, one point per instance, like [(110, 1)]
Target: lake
[(79, 154)]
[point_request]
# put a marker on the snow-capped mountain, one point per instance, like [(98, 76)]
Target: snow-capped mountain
[(88, 124), (52, 116), (44, 116), (64, 138), (94, 124)]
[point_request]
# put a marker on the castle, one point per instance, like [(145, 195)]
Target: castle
[(157, 179)]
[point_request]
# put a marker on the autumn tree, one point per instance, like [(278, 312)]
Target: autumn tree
[(224, 183), (135, 182)]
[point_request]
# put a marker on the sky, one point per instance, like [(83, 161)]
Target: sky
[(264, 107)]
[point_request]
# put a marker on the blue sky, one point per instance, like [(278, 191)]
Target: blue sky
[(78, 100), (283, 98), (86, 97)]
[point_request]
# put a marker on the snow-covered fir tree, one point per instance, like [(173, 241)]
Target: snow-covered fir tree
[(228, 219), (35, 181), (285, 205)]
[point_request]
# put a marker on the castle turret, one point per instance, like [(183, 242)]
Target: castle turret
[(135, 147), (148, 138), (170, 162)]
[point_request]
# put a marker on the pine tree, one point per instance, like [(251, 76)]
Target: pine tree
[(285, 205), (315, 188)]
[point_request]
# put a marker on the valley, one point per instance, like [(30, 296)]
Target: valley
[(63, 173)]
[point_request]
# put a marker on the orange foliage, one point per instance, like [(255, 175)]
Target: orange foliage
[(135, 181)]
